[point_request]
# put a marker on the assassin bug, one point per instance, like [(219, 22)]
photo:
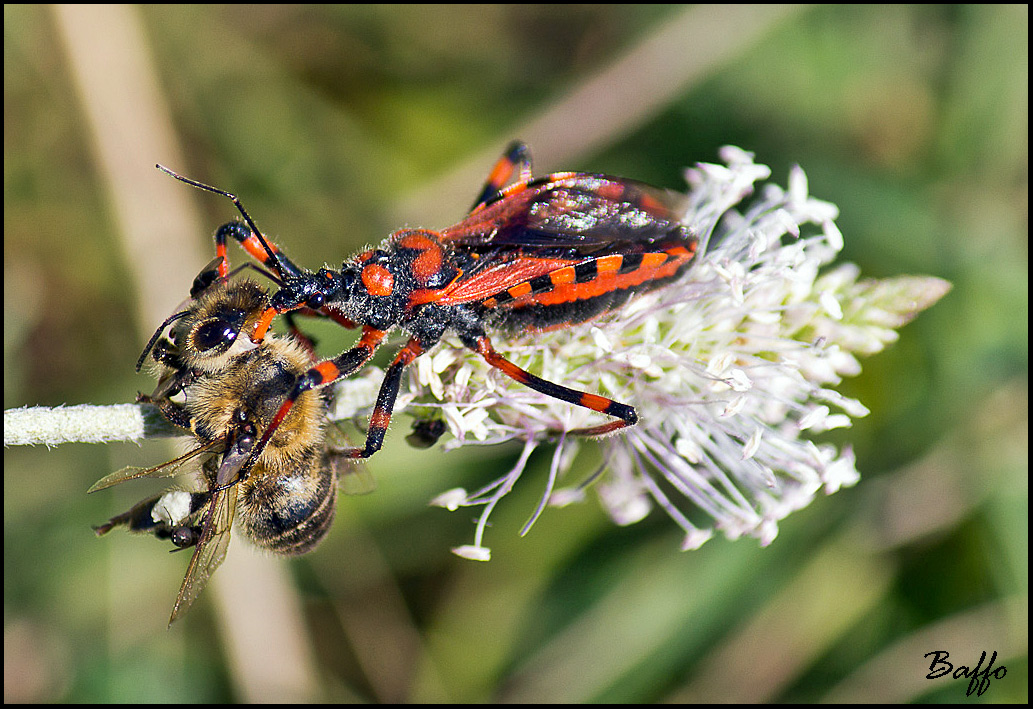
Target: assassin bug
[(541, 254)]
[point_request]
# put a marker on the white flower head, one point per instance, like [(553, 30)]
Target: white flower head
[(731, 370)]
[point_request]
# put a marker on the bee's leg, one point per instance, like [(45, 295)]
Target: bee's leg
[(516, 157), (625, 414), (137, 518), (173, 412), (143, 518)]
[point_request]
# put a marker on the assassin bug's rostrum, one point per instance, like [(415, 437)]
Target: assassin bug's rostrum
[(540, 254)]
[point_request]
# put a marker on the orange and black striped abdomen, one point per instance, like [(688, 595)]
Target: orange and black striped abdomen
[(581, 291)]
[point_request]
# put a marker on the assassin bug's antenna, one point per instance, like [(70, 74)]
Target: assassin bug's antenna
[(273, 255)]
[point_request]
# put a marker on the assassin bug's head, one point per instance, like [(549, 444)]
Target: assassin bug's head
[(310, 290)]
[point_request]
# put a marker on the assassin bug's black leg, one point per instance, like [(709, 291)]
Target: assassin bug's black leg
[(381, 416), (298, 287), (626, 415), (270, 255), (516, 157)]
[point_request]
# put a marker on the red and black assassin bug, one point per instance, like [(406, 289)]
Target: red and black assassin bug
[(541, 254)]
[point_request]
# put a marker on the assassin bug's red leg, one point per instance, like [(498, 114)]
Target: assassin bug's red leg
[(517, 156), (274, 258), (266, 320), (626, 415), (329, 371)]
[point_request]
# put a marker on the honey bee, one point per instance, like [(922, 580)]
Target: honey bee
[(225, 390)]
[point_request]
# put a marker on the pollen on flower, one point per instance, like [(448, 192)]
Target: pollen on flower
[(840, 473), (837, 421), (696, 538), (443, 359), (816, 417), (738, 380), (752, 444), (720, 363), (734, 406), (688, 449), (600, 340), (832, 235), (640, 360), (831, 305), (625, 501), (566, 496)]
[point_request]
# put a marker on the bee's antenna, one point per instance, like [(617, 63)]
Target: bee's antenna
[(274, 257)]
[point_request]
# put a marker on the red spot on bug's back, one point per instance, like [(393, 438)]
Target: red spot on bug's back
[(377, 280)]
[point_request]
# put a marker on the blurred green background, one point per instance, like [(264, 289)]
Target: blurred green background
[(337, 125)]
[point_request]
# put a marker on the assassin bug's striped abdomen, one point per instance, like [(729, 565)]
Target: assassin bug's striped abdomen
[(540, 254)]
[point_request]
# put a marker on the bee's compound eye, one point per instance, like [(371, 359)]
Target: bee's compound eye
[(213, 334), (315, 301)]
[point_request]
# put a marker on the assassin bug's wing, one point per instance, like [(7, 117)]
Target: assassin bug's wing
[(536, 229), (571, 214), (210, 550), (165, 470)]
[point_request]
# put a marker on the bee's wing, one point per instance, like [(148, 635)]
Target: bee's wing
[(215, 527), (165, 470), (354, 476), (210, 550)]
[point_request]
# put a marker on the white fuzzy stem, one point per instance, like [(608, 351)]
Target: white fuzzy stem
[(43, 425)]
